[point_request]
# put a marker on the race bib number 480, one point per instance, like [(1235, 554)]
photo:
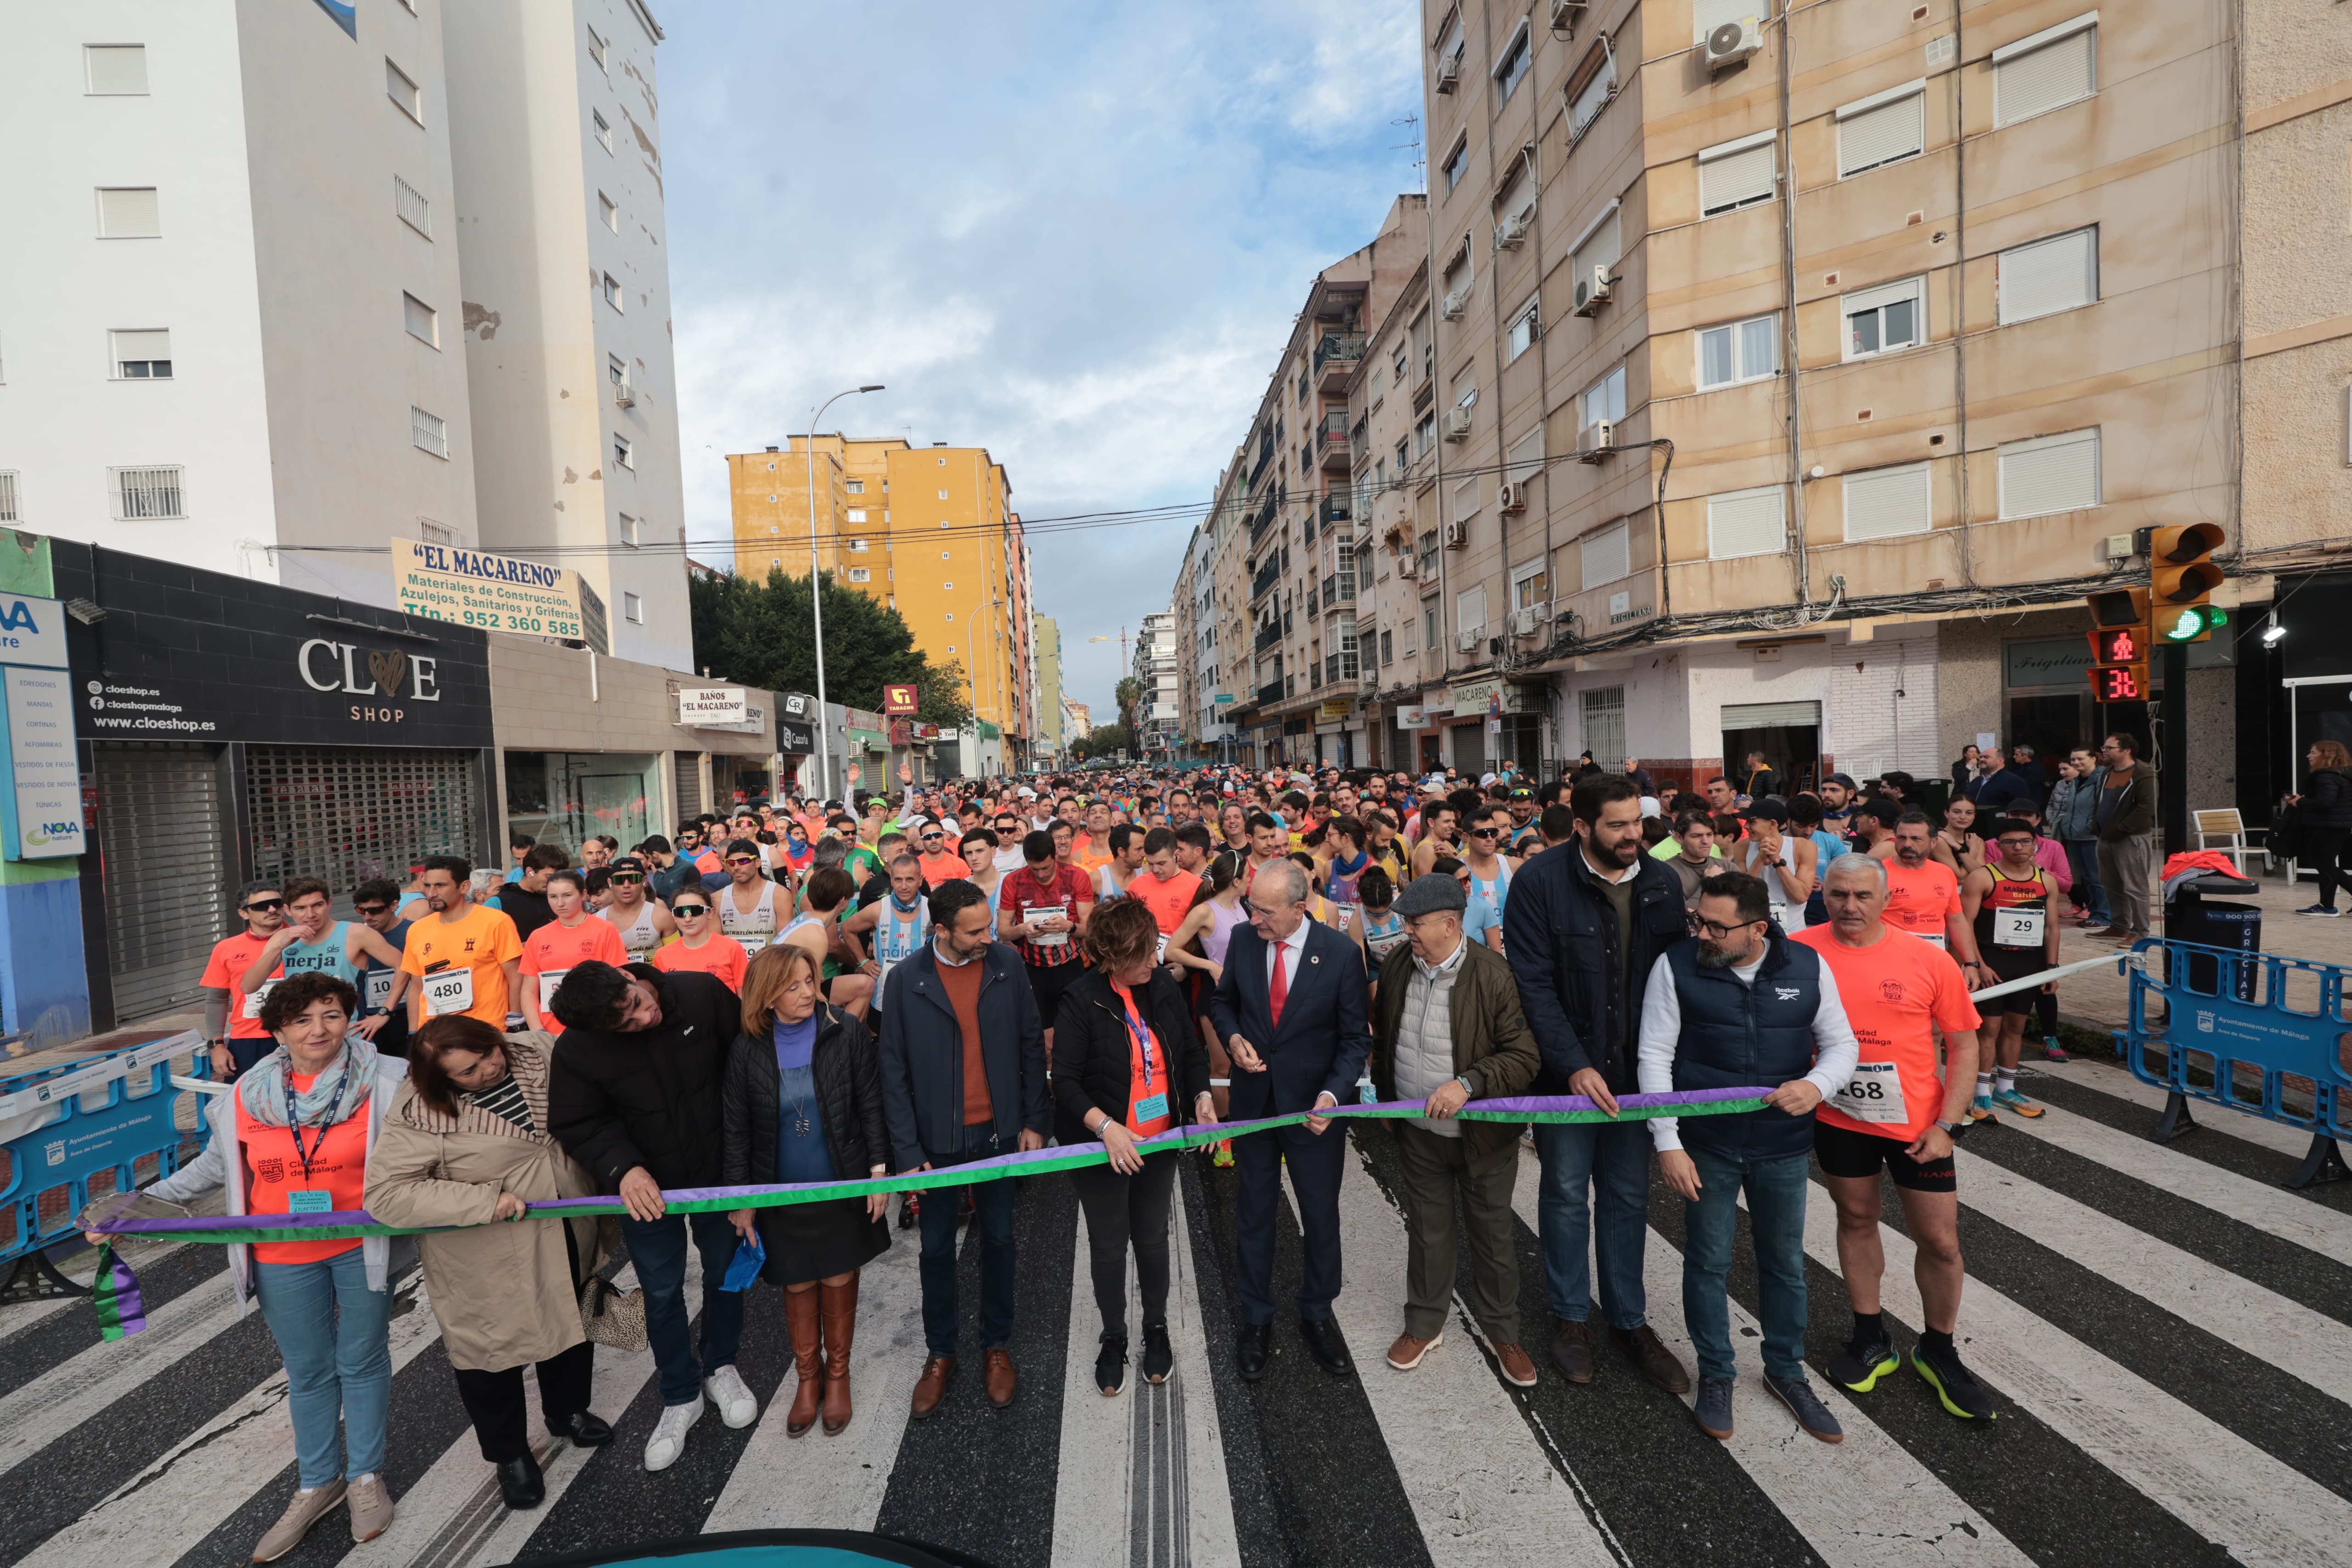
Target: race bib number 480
[(451, 991), (1872, 1093)]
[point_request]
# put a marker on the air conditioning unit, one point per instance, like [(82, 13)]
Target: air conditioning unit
[(1731, 42), (1468, 641), (1457, 424), (1593, 291), (1596, 441), (1449, 71), (1511, 498), (1455, 304), (624, 396), (1526, 623), (1512, 231), (1457, 535), (1408, 566), (1564, 13)]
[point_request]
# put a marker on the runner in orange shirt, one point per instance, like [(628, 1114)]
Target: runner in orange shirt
[(700, 945), (233, 1015), (574, 936)]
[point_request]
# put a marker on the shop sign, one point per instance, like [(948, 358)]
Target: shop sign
[(799, 741), (898, 700), (1224, 698), (2060, 661), (498, 594), (1411, 716), (44, 802), (708, 706), (32, 632), (1334, 708), (1486, 698)]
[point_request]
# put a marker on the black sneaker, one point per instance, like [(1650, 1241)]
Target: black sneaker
[(1158, 1356), (1110, 1365), (1858, 1366), (1956, 1389)]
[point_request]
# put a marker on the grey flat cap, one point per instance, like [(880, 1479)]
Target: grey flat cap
[(1431, 894)]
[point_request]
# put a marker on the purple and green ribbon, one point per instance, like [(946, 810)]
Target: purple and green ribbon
[(344, 1223), (114, 1291)]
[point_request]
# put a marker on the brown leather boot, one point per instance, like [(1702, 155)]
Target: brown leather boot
[(840, 1310), (801, 1323)]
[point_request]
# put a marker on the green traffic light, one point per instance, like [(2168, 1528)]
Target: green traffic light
[(2194, 622)]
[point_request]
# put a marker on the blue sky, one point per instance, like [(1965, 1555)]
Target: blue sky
[(1074, 233)]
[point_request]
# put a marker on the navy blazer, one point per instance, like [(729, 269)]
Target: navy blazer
[(1326, 1034)]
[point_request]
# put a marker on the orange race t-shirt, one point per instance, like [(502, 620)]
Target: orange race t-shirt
[(232, 956), (274, 1174), (722, 955), (938, 869), (474, 947), (1169, 901), (1919, 902), (1147, 1072), (1898, 993), (551, 952)]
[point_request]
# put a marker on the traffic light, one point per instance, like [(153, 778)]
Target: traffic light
[(2119, 645), (2182, 576)]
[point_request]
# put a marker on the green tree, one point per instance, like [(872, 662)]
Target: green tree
[(1129, 696), (762, 634)]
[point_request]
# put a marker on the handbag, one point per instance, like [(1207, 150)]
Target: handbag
[(2284, 839), (612, 1316)]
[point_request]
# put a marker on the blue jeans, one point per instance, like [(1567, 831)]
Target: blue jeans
[(2083, 865), (331, 1332), (993, 1214), (657, 1247), (1776, 1208), (1611, 1160)]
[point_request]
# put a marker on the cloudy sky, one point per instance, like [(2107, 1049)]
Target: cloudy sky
[(1074, 233)]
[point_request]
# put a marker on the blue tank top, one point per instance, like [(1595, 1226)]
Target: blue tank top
[(328, 955)]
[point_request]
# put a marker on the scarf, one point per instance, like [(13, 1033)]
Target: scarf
[(262, 1090)]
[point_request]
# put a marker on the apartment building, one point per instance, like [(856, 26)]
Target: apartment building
[(559, 232), (1774, 352), (1048, 739), (1158, 714)]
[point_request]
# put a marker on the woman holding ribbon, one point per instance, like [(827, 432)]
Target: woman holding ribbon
[(297, 1138), (466, 1143), (803, 1103), (1127, 1064)]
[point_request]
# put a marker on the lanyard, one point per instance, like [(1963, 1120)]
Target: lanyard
[(1142, 1040), (294, 1119)]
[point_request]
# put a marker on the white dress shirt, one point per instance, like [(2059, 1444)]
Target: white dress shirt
[(1835, 1049), (1287, 951)]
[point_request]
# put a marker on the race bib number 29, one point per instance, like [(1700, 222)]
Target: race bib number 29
[(1872, 1093)]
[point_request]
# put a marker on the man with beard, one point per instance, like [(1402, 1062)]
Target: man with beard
[(1739, 1003)]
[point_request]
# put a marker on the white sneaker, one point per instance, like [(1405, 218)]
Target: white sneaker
[(735, 1406), (668, 1440)]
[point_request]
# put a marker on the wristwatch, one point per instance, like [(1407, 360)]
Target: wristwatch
[(1951, 1128)]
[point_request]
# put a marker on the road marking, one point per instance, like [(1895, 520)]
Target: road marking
[(2117, 1083), (80, 1387)]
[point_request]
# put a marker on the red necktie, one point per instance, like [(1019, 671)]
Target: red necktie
[(1277, 989)]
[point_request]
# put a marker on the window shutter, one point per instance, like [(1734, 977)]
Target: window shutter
[(116, 69), (1767, 715), (1470, 609), (2052, 474), (129, 213), (1862, 300), (2040, 80), (1606, 555), (1880, 135), (1888, 502), (1746, 522), (143, 346), (1525, 459), (1735, 179), (1603, 247), (1465, 499), (2049, 276)]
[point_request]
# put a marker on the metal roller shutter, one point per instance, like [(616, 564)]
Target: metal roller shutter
[(1470, 750), (2034, 81), (2050, 474), (2049, 276), (1881, 133), (1766, 715), (1885, 503), (343, 814), (1735, 176), (159, 861), (690, 785)]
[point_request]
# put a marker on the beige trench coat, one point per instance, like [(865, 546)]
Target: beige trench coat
[(503, 1292)]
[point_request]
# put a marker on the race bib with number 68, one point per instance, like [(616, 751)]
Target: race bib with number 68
[(1872, 1093)]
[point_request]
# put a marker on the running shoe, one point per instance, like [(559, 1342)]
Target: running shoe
[(1955, 1388), (1982, 1110), (2051, 1051), (1858, 1366), (2009, 1100), (1110, 1365), (2321, 911)]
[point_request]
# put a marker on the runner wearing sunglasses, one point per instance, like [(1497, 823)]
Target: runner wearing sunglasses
[(747, 905), (700, 945), (643, 925), (243, 1041)]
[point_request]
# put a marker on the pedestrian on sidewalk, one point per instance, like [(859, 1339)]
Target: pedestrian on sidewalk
[(2323, 817), (2075, 823), (2125, 813)]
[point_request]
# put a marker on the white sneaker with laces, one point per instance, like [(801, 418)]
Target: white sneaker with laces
[(668, 1440), (736, 1407)]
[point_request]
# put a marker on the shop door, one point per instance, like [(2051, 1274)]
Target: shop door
[(689, 785), (1788, 733), (166, 880), (2053, 723), (343, 814), (1470, 750), (1431, 760)]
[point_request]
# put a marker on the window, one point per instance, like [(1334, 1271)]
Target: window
[(428, 432), (1746, 522), (409, 204), (856, 546), (1739, 350), (2050, 474), (631, 530), (423, 322), (1429, 628), (855, 514), (1456, 161), (613, 293), (1388, 643), (1424, 434), (1602, 715), (1589, 90), (1883, 127), (1882, 320), (433, 532), (1604, 399), (1470, 609), (616, 370), (603, 129), (141, 495), (2048, 276), (855, 487), (1525, 460), (1886, 503), (141, 356), (2051, 68), (1465, 499), (608, 212), (1606, 555), (596, 52), (1522, 333), (943, 495), (114, 71), (625, 456), (403, 92), (861, 574), (1736, 174), (633, 608), (8, 512), (1398, 379), (1530, 586), (1512, 69), (129, 213)]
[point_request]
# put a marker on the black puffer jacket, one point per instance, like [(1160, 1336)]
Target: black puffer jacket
[(848, 1091), (1094, 1056), (2328, 800), (619, 1100)]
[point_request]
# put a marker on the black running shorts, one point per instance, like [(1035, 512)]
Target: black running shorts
[(1845, 1153)]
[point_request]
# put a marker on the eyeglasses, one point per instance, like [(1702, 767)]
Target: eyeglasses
[(935, 838), (1719, 931), (684, 911), (1485, 833), (369, 910), (742, 859), (628, 877), (265, 904)]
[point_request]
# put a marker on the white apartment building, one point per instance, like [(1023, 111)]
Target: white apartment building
[(1160, 716)]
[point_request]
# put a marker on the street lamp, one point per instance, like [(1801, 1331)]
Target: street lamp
[(816, 595)]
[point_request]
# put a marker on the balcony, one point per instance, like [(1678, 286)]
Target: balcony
[(1313, 607), (1270, 693), (1267, 635), (1339, 588), (1336, 359), (1267, 576), (1334, 511), (1331, 441)]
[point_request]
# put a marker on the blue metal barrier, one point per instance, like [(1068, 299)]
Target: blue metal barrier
[(2257, 1028), (83, 1130)]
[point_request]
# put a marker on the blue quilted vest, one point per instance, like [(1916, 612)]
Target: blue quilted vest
[(1737, 1035)]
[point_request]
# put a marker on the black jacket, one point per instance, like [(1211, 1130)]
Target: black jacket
[(618, 1100), (2326, 800), (922, 1055), (1561, 934), (1093, 1058), (848, 1090)]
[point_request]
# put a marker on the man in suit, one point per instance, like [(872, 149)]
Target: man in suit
[(1292, 1008)]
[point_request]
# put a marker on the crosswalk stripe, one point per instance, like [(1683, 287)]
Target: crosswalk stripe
[(2118, 1084), (2198, 1470), (36, 1337), (35, 1413), (1480, 1485)]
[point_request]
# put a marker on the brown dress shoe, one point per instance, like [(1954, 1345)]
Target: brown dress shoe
[(802, 1324), (1519, 1367), (938, 1373), (1653, 1360), (840, 1313), (1406, 1354), (1571, 1350), (997, 1365)]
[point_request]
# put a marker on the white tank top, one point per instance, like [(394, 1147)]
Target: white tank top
[(753, 929), (641, 938)]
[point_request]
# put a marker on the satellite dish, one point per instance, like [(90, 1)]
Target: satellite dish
[(1725, 38)]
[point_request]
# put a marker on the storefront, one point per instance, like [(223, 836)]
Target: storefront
[(1494, 721), (232, 730), (797, 718)]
